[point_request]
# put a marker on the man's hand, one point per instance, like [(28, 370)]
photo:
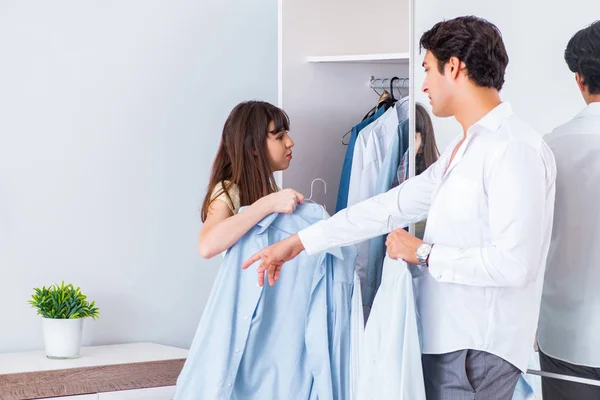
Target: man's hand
[(273, 258), (403, 245)]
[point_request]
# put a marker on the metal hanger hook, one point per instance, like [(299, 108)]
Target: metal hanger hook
[(374, 85), (312, 187)]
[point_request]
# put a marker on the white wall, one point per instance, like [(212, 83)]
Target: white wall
[(539, 85), (110, 117), (324, 101), (335, 27)]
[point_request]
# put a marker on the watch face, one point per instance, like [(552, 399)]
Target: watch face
[(423, 250)]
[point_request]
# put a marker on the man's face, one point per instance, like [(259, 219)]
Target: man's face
[(438, 87)]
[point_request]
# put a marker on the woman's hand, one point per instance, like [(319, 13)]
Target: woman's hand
[(283, 202), (221, 230)]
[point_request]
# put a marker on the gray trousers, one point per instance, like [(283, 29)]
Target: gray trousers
[(555, 389), (468, 375)]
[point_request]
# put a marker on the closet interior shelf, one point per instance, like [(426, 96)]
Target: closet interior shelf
[(382, 58)]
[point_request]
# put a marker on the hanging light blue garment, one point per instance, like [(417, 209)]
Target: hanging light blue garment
[(523, 390), (529, 387), (384, 183), (288, 341), (391, 365)]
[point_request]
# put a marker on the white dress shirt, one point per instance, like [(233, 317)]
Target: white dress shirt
[(570, 312), (391, 353), (371, 147), (489, 216)]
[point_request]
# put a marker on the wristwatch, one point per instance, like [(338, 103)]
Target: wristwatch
[(423, 252)]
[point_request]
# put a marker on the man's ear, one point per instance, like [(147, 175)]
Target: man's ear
[(454, 67), (580, 82)]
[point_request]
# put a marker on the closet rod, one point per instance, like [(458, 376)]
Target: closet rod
[(384, 83)]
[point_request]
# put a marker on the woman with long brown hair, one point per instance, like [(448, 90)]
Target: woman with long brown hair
[(265, 342), (426, 150), (255, 143), (426, 153)]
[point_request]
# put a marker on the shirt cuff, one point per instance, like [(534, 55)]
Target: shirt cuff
[(440, 263), (314, 239)]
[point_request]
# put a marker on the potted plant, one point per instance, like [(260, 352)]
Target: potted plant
[(63, 309)]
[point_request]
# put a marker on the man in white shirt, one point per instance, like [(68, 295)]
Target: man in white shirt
[(569, 326), (489, 203)]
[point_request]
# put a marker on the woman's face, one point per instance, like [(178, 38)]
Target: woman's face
[(418, 142), (279, 149)]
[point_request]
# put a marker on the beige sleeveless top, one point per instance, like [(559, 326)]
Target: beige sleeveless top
[(234, 193)]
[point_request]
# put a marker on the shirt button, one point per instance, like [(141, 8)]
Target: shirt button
[(229, 384), (237, 350), (246, 318)]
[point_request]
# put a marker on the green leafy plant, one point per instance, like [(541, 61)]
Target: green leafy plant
[(63, 302)]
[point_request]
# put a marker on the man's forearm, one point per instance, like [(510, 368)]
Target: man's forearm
[(296, 243), (370, 218)]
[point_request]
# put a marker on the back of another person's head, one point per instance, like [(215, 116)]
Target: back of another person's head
[(583, 56)]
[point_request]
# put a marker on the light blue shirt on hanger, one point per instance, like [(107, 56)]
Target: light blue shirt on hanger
[(291, 340)]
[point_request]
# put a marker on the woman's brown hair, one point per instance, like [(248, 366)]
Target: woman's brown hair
[(429, 148), (242, 158)]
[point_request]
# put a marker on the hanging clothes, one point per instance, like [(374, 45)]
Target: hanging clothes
[(386, 100), (370, 149), (384, 183), (523, 390), (372, 145), (288, 340), (342, 199), (402, 109), (391, 364)]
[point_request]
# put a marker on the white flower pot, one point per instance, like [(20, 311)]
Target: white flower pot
[(62, 337)]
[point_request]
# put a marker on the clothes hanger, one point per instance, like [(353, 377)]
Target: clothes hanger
[(371, 111), (384, 97), (392, 87), (311, 191), (404, 85), (387, 99), (345, 136), (374, 85)]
